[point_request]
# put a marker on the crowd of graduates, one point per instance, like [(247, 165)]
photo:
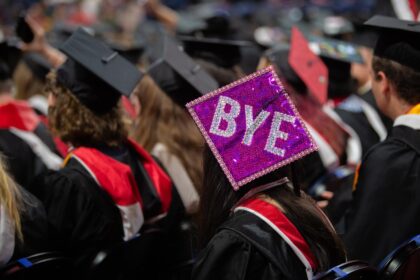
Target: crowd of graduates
[(208, 139)]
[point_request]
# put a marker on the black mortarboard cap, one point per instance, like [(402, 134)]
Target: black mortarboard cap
[(94, 73), (178, 75), (337, 56), (224, 53), (10, 55), (398, 40), (130, 52), (38, 65)]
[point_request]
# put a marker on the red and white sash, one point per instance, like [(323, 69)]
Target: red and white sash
[(21, 120), (271, 215), (118, 181)]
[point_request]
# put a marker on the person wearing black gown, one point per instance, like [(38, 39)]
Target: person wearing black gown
[(261, 227), (386, 206), (110, 188), (27, 145)]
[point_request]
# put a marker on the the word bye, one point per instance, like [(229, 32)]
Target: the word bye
[(252, 123)]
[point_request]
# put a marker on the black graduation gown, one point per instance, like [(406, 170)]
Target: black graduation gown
[(34, 228), (25, 142), (386, 204), (23, 164), (84, 219), (245, 247)]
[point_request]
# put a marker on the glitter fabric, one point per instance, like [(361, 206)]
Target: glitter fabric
[(252, 127)]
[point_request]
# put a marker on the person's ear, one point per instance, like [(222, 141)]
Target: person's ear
[(383, 84)]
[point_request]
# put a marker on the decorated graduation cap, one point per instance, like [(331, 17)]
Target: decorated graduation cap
[(224, 53), (308, 66), (252, 127), (178, 75), (335, 49), (38, 65), (94, 73), (398, 40)]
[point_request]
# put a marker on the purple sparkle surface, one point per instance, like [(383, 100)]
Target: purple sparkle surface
[(242, 163)]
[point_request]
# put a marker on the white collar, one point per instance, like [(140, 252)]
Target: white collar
[(365, 88), (410, 120)]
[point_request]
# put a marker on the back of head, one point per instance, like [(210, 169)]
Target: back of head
[(218, 198), (397, 55), (75, 123)]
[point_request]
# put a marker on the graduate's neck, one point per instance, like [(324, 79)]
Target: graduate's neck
[(398, 107)]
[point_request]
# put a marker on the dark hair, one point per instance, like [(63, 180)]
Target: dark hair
[(70, 120), (218, 197), (405, 80)]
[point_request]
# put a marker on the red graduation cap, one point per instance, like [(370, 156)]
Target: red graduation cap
[(308, 66)]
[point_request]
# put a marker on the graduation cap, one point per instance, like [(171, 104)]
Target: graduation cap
[(279, 56), (38, 65), (242, 156), (337, 56), (178, 75), (224, 53), (206, 21), (308, 66), (131, 52), (336, 26), (398, 40), (94, 73), (335, 49), (10, 55)]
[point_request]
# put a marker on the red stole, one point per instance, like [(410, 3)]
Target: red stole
[(18, 114), (118, 181), (276, 219)]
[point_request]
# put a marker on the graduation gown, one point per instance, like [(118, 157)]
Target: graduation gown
[(26, 143), (105, 195), (255, 243), (386, 205), (363, 119)]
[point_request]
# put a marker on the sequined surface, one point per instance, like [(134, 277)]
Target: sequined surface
[(251, 127)]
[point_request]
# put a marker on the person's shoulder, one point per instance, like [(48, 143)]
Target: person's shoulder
[(385, 150), (71, 179)]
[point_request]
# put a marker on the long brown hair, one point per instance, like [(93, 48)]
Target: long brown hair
[(76, 124), (162, 120), (218, 198)]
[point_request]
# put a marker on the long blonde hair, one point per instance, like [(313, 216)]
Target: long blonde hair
[(11, 198), (161, 120)]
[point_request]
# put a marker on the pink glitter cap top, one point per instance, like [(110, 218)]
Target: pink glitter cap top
[(252, 127)]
